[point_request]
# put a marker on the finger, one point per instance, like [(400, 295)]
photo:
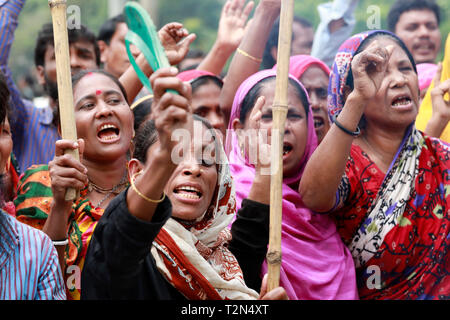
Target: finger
[(185, 44), (445, 87), (234, 5), (240, 6), (226, 8), (371, 61), (67, 161), (162, 73), (256, 113), (263, 286), (57, 172), (390, 50), (175, 100), (171, 119), (173, 25), (66, 182), (81, 148), (64, 144), (276, 294), (161, 84), (259, 104), (438, 75), (247, 10)]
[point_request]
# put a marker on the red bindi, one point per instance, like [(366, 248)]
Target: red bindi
[(98, 92)]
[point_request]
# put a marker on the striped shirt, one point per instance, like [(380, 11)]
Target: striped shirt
[(34, 135), (29, 267)]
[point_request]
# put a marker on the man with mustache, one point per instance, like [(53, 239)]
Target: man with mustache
[(35, 129), (416, 22)]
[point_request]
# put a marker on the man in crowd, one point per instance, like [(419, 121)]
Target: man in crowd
[(416, 22), (111, 42), (35, 129)]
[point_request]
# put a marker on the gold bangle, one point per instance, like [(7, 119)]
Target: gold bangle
[(142, 195), (245, 54)]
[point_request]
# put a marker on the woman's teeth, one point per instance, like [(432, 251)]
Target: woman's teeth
[(401, 102), (188, 192)]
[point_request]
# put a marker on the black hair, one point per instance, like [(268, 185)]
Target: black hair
[(250, 99), (78, 76), (205, 79), (109, 27), (402, 6), (147, 135), (192, 54), (45, 39), (268, 61), (141, 111), (4, 98)]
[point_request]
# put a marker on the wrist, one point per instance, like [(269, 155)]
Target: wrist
[(272, 9), (223, 48), (436, 125), (356, 99)]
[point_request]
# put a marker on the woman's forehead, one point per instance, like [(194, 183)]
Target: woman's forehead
[(92, 82)]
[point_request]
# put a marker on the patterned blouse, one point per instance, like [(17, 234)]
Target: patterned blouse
[(397, 224), (34, 198)]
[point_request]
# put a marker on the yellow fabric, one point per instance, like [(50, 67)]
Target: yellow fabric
[(426, 108)]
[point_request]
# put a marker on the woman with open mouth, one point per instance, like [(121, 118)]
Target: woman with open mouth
[(315, 265), (385, 182), (104, 124), (167, 236)]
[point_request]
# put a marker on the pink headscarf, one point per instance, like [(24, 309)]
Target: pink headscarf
[(426, 73), (300, 63), (316, 264), (191, 75)]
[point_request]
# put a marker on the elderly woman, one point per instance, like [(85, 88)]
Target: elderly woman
[(166, 237), (385, 182)]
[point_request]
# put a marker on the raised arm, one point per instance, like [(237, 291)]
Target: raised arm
[(9, 14), (325, 168), (231, 30), (441, 107), (170, 112), (175, 40), (248, 57)]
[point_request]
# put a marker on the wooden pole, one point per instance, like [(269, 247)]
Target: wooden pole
[(65, 95), (279, 112)]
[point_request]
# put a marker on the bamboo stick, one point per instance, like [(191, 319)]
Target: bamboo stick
[(279, 112), (65, 95)]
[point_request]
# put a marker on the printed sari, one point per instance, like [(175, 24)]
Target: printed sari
[(396, 224), (33, 203)]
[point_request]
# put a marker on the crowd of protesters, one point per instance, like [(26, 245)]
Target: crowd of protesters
[(365, 189)]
